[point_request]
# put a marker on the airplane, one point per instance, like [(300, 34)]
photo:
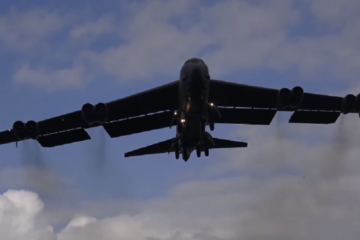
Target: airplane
[(190, 103)]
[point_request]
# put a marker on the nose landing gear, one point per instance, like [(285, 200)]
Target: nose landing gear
[(185, 153)]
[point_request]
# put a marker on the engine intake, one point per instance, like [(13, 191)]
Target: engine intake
[(290, 98), (29, 130), (94, 114), (283, 98), (87, 109), (297, 95), (32, 130), (19, 130)]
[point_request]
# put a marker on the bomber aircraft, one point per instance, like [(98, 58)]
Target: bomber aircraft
[(190, 103)]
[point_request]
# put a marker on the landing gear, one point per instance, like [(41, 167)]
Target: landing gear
[(198, 151), (177, 153), (206, 150), (212, 126), (185, 153)]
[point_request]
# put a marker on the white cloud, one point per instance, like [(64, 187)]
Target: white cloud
[(22, 30), (334, 12), (243, 34), (91, 29), (229, 35), (285, 188), (20, 217), (71, 78), (157, 47), (40, 178)]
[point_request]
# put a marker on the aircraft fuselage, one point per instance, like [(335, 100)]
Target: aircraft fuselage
[(193, 105)]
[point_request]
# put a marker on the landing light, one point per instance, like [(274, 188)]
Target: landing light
[(182, 120), (175, 113), (211, 104)]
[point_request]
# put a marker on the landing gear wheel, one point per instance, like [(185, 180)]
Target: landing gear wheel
[(212, 126), (177, 153), (206, 151), (185, 153), (198, 151)]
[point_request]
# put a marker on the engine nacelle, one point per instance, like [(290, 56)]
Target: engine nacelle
[(297, 95), (290, 98), (29, 130), (94, 114), (32, 129), (349, 103), (19, 130), (284, 97)]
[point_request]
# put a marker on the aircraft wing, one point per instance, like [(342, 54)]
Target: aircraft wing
[(234, 97), (127, 113), (228, 94)]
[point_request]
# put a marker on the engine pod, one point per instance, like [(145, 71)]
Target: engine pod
[(19, 130), (348, 103), (297, 95), (101, 113), (87, 112), (94, 114), (283, 98), (32, 130)]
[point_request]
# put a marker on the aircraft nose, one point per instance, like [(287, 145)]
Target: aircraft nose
[(197, 71)]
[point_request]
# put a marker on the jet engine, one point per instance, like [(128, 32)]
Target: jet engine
[(283, 99), (19, 130), (29, 130), (32, 130), (290, 98), (349, 103), (94, 114), (297, 95)]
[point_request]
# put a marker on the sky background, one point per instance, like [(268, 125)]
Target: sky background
[(292, 182)]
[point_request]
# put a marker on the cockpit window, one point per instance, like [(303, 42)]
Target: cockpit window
[(194, 60)]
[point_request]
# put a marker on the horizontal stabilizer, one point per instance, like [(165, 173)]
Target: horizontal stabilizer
[(223, 143), (314, 117), (138, 124), (63, 138), (245, 116), (160, 147), (164, 147)]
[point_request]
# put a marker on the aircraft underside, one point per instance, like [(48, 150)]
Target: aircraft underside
[(176, 103)]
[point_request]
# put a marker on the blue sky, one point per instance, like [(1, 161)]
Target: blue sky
[(57, 56)]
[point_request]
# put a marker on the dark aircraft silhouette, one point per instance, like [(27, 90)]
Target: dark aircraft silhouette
[(190, 103)]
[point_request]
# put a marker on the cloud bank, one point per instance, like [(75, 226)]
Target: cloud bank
[(317, 39), (280, 188)]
